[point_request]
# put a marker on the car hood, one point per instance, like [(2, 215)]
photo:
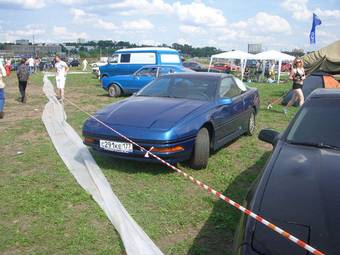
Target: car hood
[(149, 112), (303, 197)]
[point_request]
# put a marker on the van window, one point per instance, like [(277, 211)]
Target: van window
[(170, 58), (143, 58), (125, 58), (114, 59)]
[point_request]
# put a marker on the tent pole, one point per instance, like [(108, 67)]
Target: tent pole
[(211, 59), (279, 71)]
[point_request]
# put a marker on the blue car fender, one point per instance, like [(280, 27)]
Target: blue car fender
[(190, 126)]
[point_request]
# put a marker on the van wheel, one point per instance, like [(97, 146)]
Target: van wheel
[(200, 155), (251, 124), (114, 90)]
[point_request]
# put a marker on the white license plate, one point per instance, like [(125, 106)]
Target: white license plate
[(116, 146)]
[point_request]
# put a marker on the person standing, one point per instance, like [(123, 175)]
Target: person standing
[(85, 64), (31, 65), (2, 90), (23, 74), (297, 75), (8, 67), (60, 77)]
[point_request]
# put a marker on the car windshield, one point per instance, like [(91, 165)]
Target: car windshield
[(196, 88), (318, 124)]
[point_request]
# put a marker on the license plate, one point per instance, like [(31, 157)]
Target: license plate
[(116, 146)]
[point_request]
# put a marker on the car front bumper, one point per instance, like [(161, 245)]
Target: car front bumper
[(139, 155)]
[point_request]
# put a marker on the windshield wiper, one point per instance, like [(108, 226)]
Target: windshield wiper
[(318, 145)]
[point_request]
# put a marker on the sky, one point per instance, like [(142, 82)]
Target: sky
[(225, 24)]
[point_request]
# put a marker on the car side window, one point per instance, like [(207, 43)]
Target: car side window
[(125, 58), (166, 70), (150, 71), (229, 89)]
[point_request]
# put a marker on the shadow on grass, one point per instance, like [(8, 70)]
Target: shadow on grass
[(128, 166), (216, 236)]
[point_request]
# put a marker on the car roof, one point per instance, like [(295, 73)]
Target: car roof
[(325, 93), (146, 49), (176, 66), (201, 74)]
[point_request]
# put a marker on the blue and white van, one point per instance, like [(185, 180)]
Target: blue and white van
[(127, 61)]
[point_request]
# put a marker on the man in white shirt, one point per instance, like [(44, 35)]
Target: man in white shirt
[(60, 77), (31, 65), (85, 64)]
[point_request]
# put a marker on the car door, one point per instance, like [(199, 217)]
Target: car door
[(227, 116), (143, 77)]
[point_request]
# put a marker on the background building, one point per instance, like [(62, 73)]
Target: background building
[(22, 41), (40, 50), (254, 48)]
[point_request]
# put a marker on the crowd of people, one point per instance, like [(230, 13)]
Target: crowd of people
[(23, 72)]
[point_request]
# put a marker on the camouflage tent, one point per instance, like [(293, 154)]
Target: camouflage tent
[(326, 59)]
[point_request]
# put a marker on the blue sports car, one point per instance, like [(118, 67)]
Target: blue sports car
[(127, 84), (179, 117)]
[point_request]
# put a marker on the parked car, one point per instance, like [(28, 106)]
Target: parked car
[(195, 66), (223, 67), (97, 64), (298, 189), (128, 61), (74, 62), (179, 117), (128, 84)]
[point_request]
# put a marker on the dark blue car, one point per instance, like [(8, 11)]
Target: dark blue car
[(180, 116), (298, 189), (130, 83)]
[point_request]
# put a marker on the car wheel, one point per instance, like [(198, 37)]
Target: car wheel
[(114, 91), (200, 155), (251, 124)]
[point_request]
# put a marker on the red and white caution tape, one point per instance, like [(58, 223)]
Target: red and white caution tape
[(148, 153)]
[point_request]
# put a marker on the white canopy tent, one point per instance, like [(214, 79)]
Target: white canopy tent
[(274, 55), (235, 54)]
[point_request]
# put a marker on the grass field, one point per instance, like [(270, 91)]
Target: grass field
[(44, 211)]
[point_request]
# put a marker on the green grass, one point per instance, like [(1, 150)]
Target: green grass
[(45, 211)]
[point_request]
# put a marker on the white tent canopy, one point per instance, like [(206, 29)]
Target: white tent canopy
[(274, 55), (235, 54)]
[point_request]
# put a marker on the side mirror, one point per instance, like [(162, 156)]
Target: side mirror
[(225, 101), (269, 136)]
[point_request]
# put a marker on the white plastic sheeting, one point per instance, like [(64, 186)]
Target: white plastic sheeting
[(81, 164)]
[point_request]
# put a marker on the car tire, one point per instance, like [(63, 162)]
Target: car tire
[(114, 90), (251, 127), (200, 154)]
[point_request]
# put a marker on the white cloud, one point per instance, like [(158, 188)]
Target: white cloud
[(267, 23), (298, 8), (190, 29), (328, 13), (144, 6), (81, 17), (62, 33), (25, 4), (197, 13), (141, 24), (29, 31)]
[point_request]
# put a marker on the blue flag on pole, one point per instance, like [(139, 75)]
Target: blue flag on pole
[(316, 22)]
